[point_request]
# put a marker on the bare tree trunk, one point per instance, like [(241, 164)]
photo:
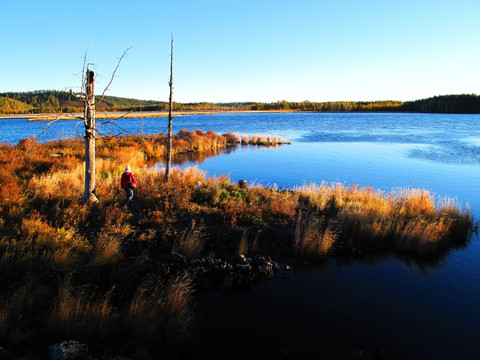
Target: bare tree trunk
[(89, 195), (169, 133)]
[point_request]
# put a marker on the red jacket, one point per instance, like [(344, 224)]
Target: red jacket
[(128, 179)]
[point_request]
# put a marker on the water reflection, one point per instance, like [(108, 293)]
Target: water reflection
[(199, 157), (331, 309), (421, 265)]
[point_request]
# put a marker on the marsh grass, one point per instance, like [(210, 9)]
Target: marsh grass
[(12, 313), (266, 140), (59, 245), (107, 248), (313, 238), (190, 243), (243, 246), (79, 314), (162, 314), (405, 219), (47, 235)]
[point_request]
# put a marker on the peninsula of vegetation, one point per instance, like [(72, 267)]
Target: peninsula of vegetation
[(123, 279), (46, 101)]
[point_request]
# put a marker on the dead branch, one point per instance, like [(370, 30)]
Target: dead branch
[(112, 134), (111, 120), (113, 75), (113, 123), (76, 129), (49, 124)]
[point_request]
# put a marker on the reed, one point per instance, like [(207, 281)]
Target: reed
[(266, 140), (244, 139), (162, 315), (191, 243), (60, 245), (243, 246), (78, 314), (107, 248), (313, 238), (404, 219), (232, 139)]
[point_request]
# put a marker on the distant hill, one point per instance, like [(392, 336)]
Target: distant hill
[(51, 101), (12, 106)]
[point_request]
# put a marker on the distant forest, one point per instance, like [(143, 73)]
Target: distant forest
[(50, 101)]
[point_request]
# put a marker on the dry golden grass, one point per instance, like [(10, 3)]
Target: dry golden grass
[(405, 219), (243, 246), (178, 190), (266, 140), (59, 245), (244, 139), (107, 248), (313, 238), (162, 314), (78, 314), (65, 184), (232, 138), (190, 243), (179, 293)]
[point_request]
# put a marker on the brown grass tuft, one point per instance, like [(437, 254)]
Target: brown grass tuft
[(191, 243), (313, 238), (162, 315), (79, 314)]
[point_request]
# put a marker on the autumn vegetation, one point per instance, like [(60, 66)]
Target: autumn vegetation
[(100, 273), (50, 101)]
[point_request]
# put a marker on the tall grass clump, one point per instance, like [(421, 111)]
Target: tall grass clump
[(313, 238), (266, 140), (161, 315), (232, 139), (79, 314), (190, 243), (404, 219), (60, 245)]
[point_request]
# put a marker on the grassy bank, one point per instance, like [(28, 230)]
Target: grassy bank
[(111, 277)]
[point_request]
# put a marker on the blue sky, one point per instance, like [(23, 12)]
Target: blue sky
[(246, 50)]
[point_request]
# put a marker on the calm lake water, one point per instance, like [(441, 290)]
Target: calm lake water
[(409, 309)]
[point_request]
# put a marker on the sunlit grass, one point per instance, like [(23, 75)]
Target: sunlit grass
[(190, 243), (313, 238), (405, 219), (48, 237), (266, 140)]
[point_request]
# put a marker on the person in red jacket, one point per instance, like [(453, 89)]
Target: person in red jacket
[(129, 183)]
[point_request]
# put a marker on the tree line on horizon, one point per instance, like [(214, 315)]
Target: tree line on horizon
[(52, 101)]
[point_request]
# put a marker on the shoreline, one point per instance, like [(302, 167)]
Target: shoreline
[(126, 115)]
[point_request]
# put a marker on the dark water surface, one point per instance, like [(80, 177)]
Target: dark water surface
[(409, 309)]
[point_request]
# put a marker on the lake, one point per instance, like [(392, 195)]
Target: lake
[(409, 309)]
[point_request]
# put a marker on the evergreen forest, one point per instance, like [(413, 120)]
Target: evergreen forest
[(52, 101)]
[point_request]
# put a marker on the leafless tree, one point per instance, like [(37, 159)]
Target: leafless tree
[(169, 131), (87, 94)]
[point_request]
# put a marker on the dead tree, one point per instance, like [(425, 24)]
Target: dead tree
[(169, 131), (88, 96), (89, 116)]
